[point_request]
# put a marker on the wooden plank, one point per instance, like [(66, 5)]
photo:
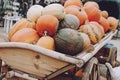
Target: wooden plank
[(30, 61)]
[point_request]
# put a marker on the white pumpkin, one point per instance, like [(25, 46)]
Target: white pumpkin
[(34, 12), (55, 9)]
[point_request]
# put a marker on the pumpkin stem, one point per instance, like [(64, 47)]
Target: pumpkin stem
[(45, 33), (80, 10)]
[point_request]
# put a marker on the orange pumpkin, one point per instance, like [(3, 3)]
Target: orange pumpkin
[(47, 23), (91, 3), (46, 42), (113, 23), (23, 23), (72, 71), (74, 6), (93, 13), (80, 13), (26, 35), (105, 24), (73, 2), (79, 73), (104, 13)]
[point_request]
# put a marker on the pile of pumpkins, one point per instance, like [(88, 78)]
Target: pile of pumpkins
[(68, 28)]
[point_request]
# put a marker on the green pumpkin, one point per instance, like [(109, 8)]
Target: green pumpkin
[(69, 41), (70, 21)]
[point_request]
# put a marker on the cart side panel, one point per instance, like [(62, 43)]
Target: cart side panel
[(30, 61)]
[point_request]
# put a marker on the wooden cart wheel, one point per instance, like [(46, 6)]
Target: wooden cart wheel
[(91, 71), (113, 56)]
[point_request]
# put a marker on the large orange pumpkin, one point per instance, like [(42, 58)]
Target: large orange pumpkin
[(113, 23), (73, 2), (105, 24), (91, 3), (26, 35), (80, 13), (47, 23), (23, 23), (93, 13), (46, 42)]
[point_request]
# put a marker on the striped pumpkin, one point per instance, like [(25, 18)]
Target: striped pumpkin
[(92, 31)]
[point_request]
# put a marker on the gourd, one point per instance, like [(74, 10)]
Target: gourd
[(92, 31), (73, 2), (113, 23), (55, 9), (26, 35), (93, 13), (101, 29), (80, 13), (70, 21), (22, 23), (69, 41), (46, 42), (105, 24), (47, 23), (91, 3), (34, 12), (104, 13)]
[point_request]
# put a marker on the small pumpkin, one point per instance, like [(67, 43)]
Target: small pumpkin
[(73, 2), (47, 23), (92, 31), (113, 23), (70, 21), (55, 9), (22, 23), (26, 35), (46, 42), (68, 41), (80, 13), (105, 24), (93, 13), (104, 13), (79, 74), (34, 12)]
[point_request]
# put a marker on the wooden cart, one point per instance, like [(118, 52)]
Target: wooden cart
[(34, 62)]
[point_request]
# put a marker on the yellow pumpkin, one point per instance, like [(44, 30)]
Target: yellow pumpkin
[(46, 42), (113, 23)]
